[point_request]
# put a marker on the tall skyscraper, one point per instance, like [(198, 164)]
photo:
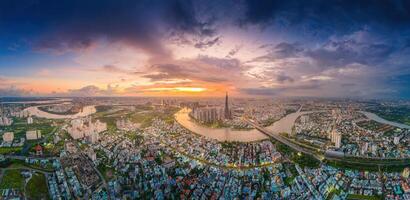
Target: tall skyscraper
[(336, 138), (227, 111)]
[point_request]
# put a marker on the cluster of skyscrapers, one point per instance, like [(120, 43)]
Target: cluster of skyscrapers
[(85, 128), (212, 114)]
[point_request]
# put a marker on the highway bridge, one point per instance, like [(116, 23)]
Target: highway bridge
[(283, 140), (321, 155)]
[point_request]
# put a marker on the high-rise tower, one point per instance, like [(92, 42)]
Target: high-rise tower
[(227, 111)]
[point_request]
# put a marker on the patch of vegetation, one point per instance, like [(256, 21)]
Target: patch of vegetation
[(146, 118), (12, 179), (400, 113), (103, 108), (134, 137), (19, 127), (111, 122), (269, 122), (289, 180), (369, 166), (372, 125), (359, 196), (229, 145), (304, 160), (333, 191), (70, 111), (106, 171), (36, 188), (14, 163), (10, 150)]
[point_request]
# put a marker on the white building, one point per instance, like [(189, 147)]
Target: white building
[(33, 135), (396, 140), (208, 114), (92, 155), (29, 120), (365, 148), (8, 137), (20, 114), (4, 121), (92, 138), (84, 127), (304, 119)]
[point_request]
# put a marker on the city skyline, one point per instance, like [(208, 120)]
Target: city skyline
[(204, 48)]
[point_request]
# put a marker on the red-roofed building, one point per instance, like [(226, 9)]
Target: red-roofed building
[(39, 150)]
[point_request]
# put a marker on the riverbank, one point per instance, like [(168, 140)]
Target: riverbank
[(34, 110), (376, 118), (220, 134)]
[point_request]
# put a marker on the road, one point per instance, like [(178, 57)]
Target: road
[(94, 167), (30, 157)]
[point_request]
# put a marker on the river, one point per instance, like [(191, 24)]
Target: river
[(87, 110), (227, 134), (376, 118)]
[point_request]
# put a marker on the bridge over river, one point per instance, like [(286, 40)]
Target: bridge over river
[(283, 125)]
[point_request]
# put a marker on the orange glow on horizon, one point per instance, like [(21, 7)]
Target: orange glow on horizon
[(177, 89)]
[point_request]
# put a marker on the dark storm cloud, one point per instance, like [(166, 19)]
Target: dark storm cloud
[(337, 52), (337, 14), (72, 24), (342, 53)]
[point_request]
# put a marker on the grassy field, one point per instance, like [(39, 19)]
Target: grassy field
[(142, 114), (12, 179), (9, 150), (36, 188), (145, 118), (14, 163)]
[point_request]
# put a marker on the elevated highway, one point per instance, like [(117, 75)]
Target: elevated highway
[(322, 155), (284, 141)]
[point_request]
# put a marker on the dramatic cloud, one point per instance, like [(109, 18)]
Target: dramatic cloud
[(340, 15), (76, 24), (266, 47), (14, 91), (207, 43), (280, 51), (92, 90)]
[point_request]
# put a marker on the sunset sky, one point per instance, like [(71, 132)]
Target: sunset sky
[(204, 48)]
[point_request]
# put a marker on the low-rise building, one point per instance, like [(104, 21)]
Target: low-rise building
[(33, 135), (8, 137)]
